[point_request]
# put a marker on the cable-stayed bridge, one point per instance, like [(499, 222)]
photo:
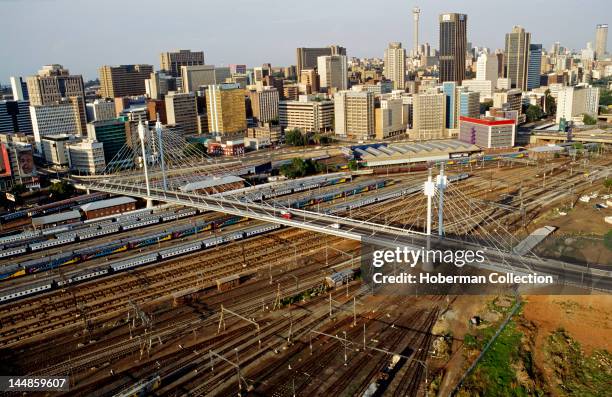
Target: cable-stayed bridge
[(156, 165)]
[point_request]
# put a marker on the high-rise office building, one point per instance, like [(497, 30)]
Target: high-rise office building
[(111, 133), (310, 79), (123, 80), (333, 72), (86, 156), (534, 66), (226, 109), (172, 61), (354, 114), (307, 57), (486, 68), (196, 76), (100, 110), (389, 120), (182, 111), (238, 69), (309, 114), (159, 84), (516, 57), (468, 104), (64, 117), (19, 89), (395, 65), (15, 117), (574, 102), (52, 84), (601, 41), (264, 102), (453, 45), (449, 88), (429, 116)]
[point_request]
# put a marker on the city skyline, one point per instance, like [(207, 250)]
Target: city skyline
[(225, 39)]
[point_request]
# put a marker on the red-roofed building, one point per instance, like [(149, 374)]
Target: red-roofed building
[(488, 132)]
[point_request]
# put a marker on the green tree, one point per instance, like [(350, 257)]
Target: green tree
[(353, 165), (61, 190), (295, 138), (534, 113), (608, 239), (299, 168), (588, 119), (608, 184)]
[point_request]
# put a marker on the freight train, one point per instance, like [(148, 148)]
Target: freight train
[(139, 260), (122, 245)]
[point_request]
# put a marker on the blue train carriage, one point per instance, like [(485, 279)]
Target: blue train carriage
[(50, 262), (228, 221), (84, 275), (11, 271), (144, 241), (102, 250), (184, 231)]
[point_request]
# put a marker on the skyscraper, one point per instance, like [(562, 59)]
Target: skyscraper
[(264, 103), (516, 57), (535, 65), (429, 116), (453, 44), (601, 40), (52, 84), (395, 65), (354, 114), (172, 61), (123, 80), (333, 72), (307, 57), (486, 68), (226, 109), (416, 11), (182, 111)]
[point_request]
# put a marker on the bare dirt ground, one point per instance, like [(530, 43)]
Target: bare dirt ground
[(587, 318)]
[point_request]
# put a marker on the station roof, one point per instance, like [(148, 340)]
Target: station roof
[(55, 218), (410, 152), (97, 205)]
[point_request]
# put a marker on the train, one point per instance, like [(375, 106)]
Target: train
[(85, 254), (139, 260), (101, 229), (342, 277), (361, 188)]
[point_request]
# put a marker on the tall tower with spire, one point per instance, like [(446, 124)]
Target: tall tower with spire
[(416, 11)]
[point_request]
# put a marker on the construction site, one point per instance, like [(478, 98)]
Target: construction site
[(266, 310)]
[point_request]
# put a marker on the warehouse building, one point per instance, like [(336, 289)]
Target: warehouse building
[(116, 205), (53, 220)]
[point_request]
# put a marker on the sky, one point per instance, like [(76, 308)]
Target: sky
[(82, 35)]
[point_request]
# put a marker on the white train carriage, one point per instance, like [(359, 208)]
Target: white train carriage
[(18, 237), (180, 250), (139, 224), (84, 276), (11, 295), (233, 236), (85, 235), (169, 217), (13, 251), (51, 243), (134, 262), (211, 242), (186, 213), (65, 235), (261, 229)]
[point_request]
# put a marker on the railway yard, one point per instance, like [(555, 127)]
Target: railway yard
[(211, 304)]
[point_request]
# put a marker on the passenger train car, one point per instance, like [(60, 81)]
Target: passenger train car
[(129, 263)]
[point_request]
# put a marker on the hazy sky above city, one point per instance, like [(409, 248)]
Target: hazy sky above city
[(84, 34)]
